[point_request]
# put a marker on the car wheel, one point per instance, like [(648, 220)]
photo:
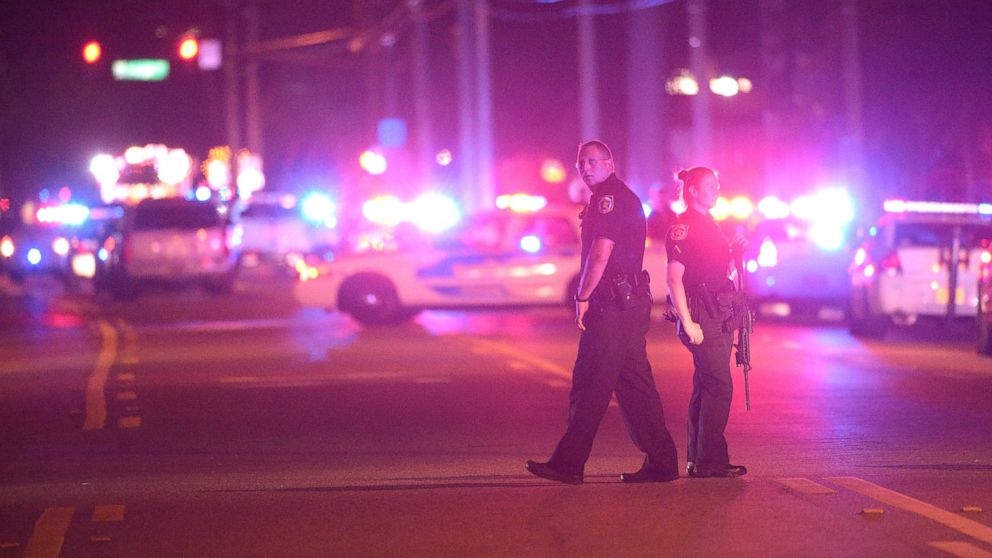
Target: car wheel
[(372, 300), (984, 331), (861, 322)]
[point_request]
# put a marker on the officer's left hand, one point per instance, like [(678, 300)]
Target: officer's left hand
[(739, 241), (580, 314)]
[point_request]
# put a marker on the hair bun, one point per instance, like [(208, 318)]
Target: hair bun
[(682, 175)]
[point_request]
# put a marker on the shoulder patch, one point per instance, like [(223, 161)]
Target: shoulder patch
[(606, 204), (678, 232)]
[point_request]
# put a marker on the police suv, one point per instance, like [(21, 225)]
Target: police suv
[(921, 259)]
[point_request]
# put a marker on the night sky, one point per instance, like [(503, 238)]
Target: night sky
[(926, 90)]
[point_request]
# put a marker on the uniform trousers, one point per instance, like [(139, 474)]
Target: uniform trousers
[(612, 358), (712, 392)]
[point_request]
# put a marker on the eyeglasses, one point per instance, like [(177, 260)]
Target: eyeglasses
[(590, 162)]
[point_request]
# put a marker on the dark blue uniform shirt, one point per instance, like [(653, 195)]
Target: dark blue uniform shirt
[(696, 241), (615, 212)]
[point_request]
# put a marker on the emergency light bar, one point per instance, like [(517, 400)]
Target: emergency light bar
[(903, 206)]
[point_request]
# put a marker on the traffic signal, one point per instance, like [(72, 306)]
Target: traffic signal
[(92, 51), (189, 47)]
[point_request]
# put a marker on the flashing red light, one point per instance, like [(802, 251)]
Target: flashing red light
[(4, 204), (92, 51), (189, 47)]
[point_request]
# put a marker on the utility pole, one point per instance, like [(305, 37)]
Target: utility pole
[(854, 142), (646, 97), (699, 61), (588, 74), (252, 86), (467, 121), (775, 58), (422, 125), (486, 195), (232, 81)]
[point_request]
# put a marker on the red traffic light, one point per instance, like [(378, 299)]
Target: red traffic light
[(189, 47), (92, 51)]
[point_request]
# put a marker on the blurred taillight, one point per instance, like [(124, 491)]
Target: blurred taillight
[(890, 263), (7, 247)]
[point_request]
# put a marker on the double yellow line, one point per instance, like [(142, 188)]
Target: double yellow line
[(96, 385)]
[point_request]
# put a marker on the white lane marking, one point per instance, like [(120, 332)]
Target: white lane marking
[(805, 486), (961, 549), (108, 513), (963, 525), (96, 402), (49, 533), (510, 351)]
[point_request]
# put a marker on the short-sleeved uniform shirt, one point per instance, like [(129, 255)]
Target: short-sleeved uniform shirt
[(696, 241), (615, 212)]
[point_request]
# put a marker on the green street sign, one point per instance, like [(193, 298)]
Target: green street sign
[(140, 70)]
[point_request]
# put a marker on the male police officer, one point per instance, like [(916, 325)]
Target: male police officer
[(613, 312)]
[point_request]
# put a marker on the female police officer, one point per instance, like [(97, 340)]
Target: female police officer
[(698, 264)]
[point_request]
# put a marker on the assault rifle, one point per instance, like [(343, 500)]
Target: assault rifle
[(744, 316)]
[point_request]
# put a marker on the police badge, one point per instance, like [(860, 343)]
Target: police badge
[(605, 204), (679, 232)]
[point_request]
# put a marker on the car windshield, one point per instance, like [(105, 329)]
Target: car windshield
[(940, 234), (190, 215), (485, 232)]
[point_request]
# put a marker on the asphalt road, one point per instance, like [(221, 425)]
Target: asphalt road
[(181, 424)]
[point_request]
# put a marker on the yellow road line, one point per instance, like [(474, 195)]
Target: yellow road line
[(963, 525), (805, 486), (96, 401), (961, 549), (108, 513), (537, 362), (129, 422), (49, 533)]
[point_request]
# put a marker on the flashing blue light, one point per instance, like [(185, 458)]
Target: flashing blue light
[(647, 209), (203, 193), (103, 254), (770, 281), (34, 256), (985, 209), (530, 244), (318, 208)]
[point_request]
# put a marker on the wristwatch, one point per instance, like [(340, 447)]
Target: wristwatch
[(577, 299)]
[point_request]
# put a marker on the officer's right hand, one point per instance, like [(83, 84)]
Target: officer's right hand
[(694, 332), (580, 313)]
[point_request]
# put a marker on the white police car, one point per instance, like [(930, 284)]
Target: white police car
[(921, 259), (497, 259)]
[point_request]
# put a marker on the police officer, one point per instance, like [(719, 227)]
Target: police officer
[(612, 311), (699, 259)]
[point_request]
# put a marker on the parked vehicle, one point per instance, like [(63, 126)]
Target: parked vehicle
[(984, 317), (173, 240), (921, 259), (278, 231)]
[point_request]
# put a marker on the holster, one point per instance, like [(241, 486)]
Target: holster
[(625, 288)]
